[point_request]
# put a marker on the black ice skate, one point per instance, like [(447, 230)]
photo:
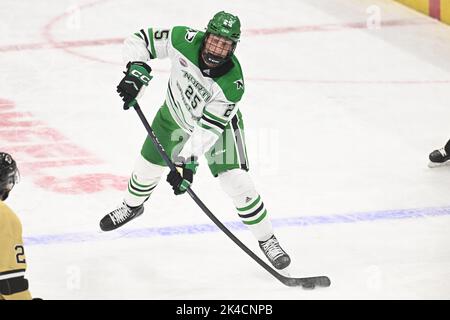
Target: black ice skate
[(439, 158), (276, 255), (120, 216)]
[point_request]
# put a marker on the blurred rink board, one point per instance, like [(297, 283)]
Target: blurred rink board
[(438, 9)]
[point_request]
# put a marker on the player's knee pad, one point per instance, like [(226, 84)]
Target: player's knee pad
[(146, 171), (238, 184)]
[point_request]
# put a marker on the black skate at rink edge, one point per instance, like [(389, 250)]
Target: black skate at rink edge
[(439, 158)]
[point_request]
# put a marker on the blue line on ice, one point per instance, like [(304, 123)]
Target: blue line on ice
[(92, 236)]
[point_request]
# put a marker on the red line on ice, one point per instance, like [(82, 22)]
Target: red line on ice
[(46, 32), (65, 45), (37, 147)]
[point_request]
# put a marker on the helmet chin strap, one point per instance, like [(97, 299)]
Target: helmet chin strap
[(213, 61)]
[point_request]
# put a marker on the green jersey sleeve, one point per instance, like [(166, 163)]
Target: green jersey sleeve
[(218, 113)]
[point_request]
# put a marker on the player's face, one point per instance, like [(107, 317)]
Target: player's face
[(218, 46), (12, 180)]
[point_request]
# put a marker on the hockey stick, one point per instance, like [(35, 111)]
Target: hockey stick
[(308, 282)]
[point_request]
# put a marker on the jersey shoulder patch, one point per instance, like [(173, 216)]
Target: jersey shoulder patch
[(181, 34), (187, 41)]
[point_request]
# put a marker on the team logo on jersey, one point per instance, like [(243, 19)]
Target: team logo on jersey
[(200, 88), (190, 35), (239, 84), (183, 62)]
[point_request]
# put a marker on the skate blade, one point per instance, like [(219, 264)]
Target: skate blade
[(437, 165)]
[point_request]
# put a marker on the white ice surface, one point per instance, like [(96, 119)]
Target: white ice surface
[(339, 120)]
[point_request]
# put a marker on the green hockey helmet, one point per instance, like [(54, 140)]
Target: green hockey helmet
[(216, 52), (226, 25)]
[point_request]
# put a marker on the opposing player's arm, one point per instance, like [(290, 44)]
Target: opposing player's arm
[(14, 286), (146, 44)]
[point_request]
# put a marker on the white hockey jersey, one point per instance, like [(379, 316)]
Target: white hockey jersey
[(201, 105)]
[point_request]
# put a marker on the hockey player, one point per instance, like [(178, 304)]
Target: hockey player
[(199, 116), (13, 285), (440, 157)]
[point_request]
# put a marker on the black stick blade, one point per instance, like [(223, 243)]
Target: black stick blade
[(307, 283)]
